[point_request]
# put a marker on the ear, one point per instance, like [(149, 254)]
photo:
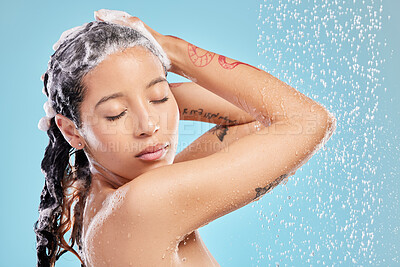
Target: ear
[(69, 131)]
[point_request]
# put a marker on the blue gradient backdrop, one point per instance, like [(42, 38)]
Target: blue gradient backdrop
[(246, 237)]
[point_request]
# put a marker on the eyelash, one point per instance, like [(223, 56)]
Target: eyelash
[(116, 117), (123, 113), (162, 100)]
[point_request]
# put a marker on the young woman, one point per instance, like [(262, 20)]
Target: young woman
[(127, 198)]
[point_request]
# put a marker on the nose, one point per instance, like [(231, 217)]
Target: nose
[(148, 125)]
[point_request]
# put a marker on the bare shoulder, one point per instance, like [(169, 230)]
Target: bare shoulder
[(116, 226)]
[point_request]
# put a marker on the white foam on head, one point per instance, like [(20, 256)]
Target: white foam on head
[(44, 124), (67, 34), (115, 15)]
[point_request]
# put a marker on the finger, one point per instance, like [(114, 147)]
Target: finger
[(97, 16), (110, 15)]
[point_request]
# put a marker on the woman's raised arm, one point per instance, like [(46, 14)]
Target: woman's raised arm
[(266, 98)]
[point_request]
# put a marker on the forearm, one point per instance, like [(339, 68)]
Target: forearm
[(191, 97), (263, 96)]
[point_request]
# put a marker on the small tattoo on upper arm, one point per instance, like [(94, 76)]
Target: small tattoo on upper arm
[(207, 115), (229, 66), (199, 60), (263, 190), (220, 131)]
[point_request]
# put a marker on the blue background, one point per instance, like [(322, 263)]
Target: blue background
[(340, 208)]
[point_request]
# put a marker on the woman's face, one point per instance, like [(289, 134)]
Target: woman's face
[(124, 111)]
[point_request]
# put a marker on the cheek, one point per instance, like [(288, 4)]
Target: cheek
[(92, 139), (102, 136)]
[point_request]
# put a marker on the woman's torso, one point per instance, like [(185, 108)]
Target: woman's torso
[(108, 242)]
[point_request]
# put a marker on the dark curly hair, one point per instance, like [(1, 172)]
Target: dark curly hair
[(66, 183)]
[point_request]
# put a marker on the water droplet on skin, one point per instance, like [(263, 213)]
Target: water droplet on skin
[(283, 110), (312, 108)]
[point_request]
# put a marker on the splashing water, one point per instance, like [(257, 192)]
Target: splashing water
[(333, 210)]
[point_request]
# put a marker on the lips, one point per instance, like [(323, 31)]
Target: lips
[(151, 149)]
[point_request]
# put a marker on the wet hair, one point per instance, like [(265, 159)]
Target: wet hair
[(66, 183)]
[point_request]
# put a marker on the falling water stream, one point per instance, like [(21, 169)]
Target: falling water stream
[(339, 209)]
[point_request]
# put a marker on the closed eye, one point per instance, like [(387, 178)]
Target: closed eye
[(113, 118), (162, 100), (116, 117)]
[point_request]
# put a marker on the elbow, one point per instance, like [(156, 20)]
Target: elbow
[(332, 122), (328, 124)]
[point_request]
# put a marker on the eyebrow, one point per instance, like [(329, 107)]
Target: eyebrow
[(120, 94)]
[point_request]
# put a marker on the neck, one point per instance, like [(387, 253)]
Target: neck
[(105, 178)]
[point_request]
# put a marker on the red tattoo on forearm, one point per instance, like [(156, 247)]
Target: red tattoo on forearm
[(173, 85), (229, 66), (199, 61)]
